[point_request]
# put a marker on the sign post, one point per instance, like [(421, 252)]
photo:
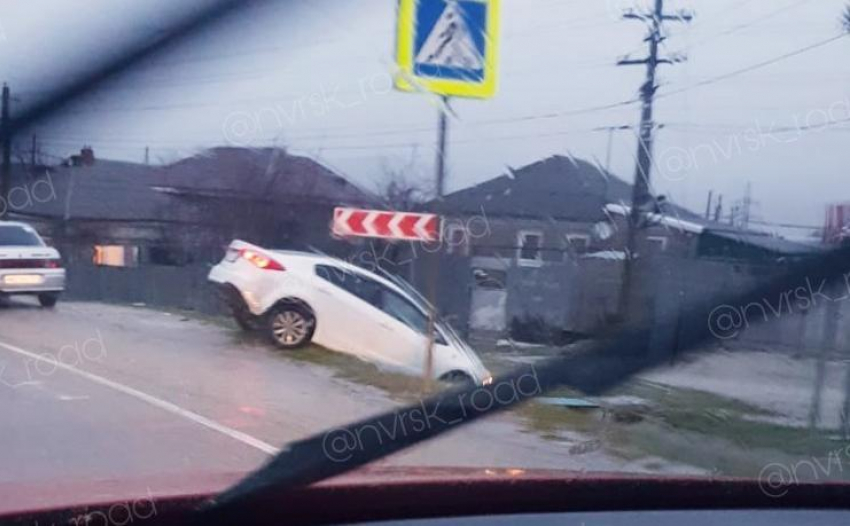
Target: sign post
[(447, 48)]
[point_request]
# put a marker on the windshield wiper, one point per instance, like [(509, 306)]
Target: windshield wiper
[(593, 370)]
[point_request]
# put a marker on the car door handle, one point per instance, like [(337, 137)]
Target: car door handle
[(323, 291), (385, 325)]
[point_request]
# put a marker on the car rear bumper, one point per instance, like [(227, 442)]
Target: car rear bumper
[(232, 282), (31, 281), (234, 300)]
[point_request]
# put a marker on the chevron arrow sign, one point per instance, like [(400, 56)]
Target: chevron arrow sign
[(386, 225)]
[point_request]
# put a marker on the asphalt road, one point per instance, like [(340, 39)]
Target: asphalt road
[(101, 393)]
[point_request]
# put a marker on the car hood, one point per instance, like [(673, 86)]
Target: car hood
[(457, 490), (22, 497), (36, 496)]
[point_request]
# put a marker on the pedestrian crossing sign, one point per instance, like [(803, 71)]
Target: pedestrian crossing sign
[(448, 47)]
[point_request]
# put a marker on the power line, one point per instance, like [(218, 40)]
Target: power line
[(141, 143), (754, 67), (762, 19), (827, 125), (464, 124)]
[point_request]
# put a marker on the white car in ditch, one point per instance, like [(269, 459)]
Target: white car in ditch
[(28, 266), (300, 297)]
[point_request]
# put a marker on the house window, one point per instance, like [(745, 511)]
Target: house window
[(577, 244), (657, 243), (530, 244), (115, 256), (457, 240)]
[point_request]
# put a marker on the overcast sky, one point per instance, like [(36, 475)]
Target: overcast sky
[(314, 76)]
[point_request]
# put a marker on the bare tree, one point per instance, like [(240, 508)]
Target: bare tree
[(26, 157), (401, 189), (845, 19)]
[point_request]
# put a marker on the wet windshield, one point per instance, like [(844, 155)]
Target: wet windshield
[(293, 215)]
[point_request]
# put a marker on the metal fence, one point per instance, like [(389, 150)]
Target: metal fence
[(159, 286)]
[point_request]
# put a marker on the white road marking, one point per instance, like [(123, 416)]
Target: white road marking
[(152, 400)]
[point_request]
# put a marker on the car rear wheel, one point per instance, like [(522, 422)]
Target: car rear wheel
[(291, 326), (48, 299)]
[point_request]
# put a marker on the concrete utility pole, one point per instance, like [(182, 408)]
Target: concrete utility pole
[(718, 210), (441, 149), (6, 172), (641, 194), (746, 206), (433, 278)]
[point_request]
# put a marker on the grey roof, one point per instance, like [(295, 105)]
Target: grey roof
[(766, 242), (108, 190), (120, 191), (555, 188), (571, 189), (264, 173)]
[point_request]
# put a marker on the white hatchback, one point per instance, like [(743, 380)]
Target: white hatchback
[(300, 297)]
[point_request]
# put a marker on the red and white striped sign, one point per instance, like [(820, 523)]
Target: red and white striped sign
[(386, 225)]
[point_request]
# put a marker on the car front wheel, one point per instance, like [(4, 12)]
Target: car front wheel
[(457, 378), (48, 299), (291, 326)]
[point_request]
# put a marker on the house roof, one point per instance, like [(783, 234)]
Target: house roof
[(266, 173), (109, 190), (121, 191), (700, 226), (671, 219), (763, 241), (558, 187), (571, 189)]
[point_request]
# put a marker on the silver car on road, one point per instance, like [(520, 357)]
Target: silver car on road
[(28, 266)]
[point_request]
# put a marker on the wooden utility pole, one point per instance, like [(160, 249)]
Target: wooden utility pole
[(6, 169), (641, 193)]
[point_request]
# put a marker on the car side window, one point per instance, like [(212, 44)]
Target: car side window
[(333, 275), (364, 288), (403, 310), (377, 295)]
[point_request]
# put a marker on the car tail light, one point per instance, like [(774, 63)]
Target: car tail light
[(30, 263), (260, 261)]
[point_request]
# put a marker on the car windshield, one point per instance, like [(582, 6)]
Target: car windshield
[(611, 220), (16, 236)]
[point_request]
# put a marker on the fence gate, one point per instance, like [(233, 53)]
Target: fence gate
[(489, 300)]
